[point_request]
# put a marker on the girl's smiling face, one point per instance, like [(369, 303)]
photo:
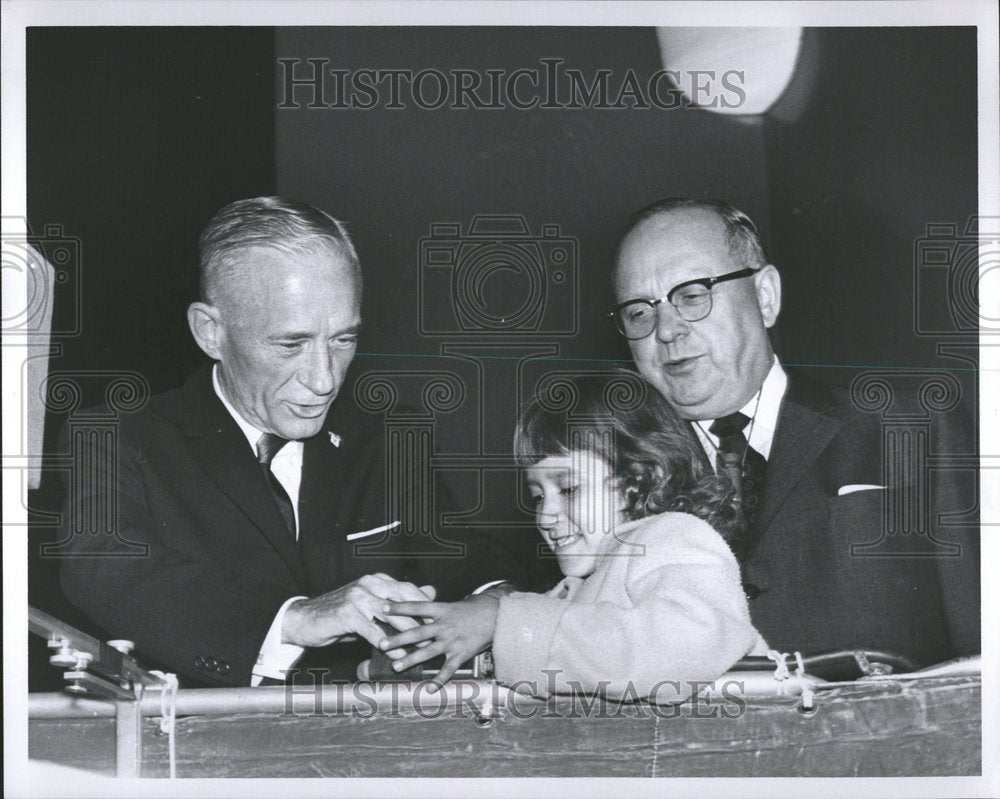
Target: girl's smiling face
[(577, 506)]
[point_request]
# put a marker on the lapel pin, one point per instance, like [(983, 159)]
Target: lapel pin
[(335, 439)]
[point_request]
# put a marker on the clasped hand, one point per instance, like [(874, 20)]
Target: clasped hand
[(457, 630), (349, 611)]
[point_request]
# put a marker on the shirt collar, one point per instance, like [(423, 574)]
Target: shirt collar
[(763, 409), (252, 433)]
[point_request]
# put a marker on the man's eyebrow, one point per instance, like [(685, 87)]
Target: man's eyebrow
[(295, 335), (289, 336)]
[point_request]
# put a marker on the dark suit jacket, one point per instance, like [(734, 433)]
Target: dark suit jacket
[(871, 569), (219, 560)]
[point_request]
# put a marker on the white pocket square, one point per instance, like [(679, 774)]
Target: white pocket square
[(373, 531), (859, 487)]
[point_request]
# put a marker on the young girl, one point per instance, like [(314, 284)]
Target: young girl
[(651, 602)]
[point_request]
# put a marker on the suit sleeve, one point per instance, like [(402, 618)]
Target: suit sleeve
[(685, 619), (180, 608)]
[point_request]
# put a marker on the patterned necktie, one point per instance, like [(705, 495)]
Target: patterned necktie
[(741, 463), (267, 448)]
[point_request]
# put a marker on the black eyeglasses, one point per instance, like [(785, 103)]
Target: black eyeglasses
[(692, 300)]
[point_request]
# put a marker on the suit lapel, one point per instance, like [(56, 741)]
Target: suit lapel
[(806, 425), (322, 497), (222, 451), (343, 493)]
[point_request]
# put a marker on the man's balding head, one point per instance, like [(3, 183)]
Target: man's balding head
[(739, 230)]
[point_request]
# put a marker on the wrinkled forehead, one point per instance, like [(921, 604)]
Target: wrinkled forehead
[(273, 289), (276, 269), (671, 248)]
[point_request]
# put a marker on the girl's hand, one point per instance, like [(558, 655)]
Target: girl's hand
[(457, 630)]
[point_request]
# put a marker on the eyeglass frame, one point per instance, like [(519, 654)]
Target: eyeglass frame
[(708, 282)]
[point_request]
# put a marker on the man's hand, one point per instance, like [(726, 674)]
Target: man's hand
[(457, 630), (349, 611)]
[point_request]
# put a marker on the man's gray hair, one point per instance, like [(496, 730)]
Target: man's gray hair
[(274, 222), (741, 233)]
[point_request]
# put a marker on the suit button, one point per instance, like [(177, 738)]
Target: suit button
[(223, 667), (211, 663), (199, 662), (751, 590)]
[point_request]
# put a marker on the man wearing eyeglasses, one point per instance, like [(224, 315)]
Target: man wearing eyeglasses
[(696, 298)]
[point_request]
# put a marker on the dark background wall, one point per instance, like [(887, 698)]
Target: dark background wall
[(885, 145), (136, 136)]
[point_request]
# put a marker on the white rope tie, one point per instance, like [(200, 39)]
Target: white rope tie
[(486, 708), (168, 716), (781, 672), (782, 675)]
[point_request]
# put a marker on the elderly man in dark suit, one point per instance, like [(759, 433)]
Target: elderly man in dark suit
[(262, 504), (696, 297)]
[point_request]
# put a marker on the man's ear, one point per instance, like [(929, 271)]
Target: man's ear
[(767, 284), (206, 327)]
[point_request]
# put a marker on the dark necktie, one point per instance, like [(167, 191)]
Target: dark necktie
[(741, 463), (267, 448)]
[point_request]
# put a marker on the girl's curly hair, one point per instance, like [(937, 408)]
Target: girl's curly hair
[(654, 455)]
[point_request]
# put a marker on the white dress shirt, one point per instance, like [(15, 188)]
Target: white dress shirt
[(762, 410), (274, 656)]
